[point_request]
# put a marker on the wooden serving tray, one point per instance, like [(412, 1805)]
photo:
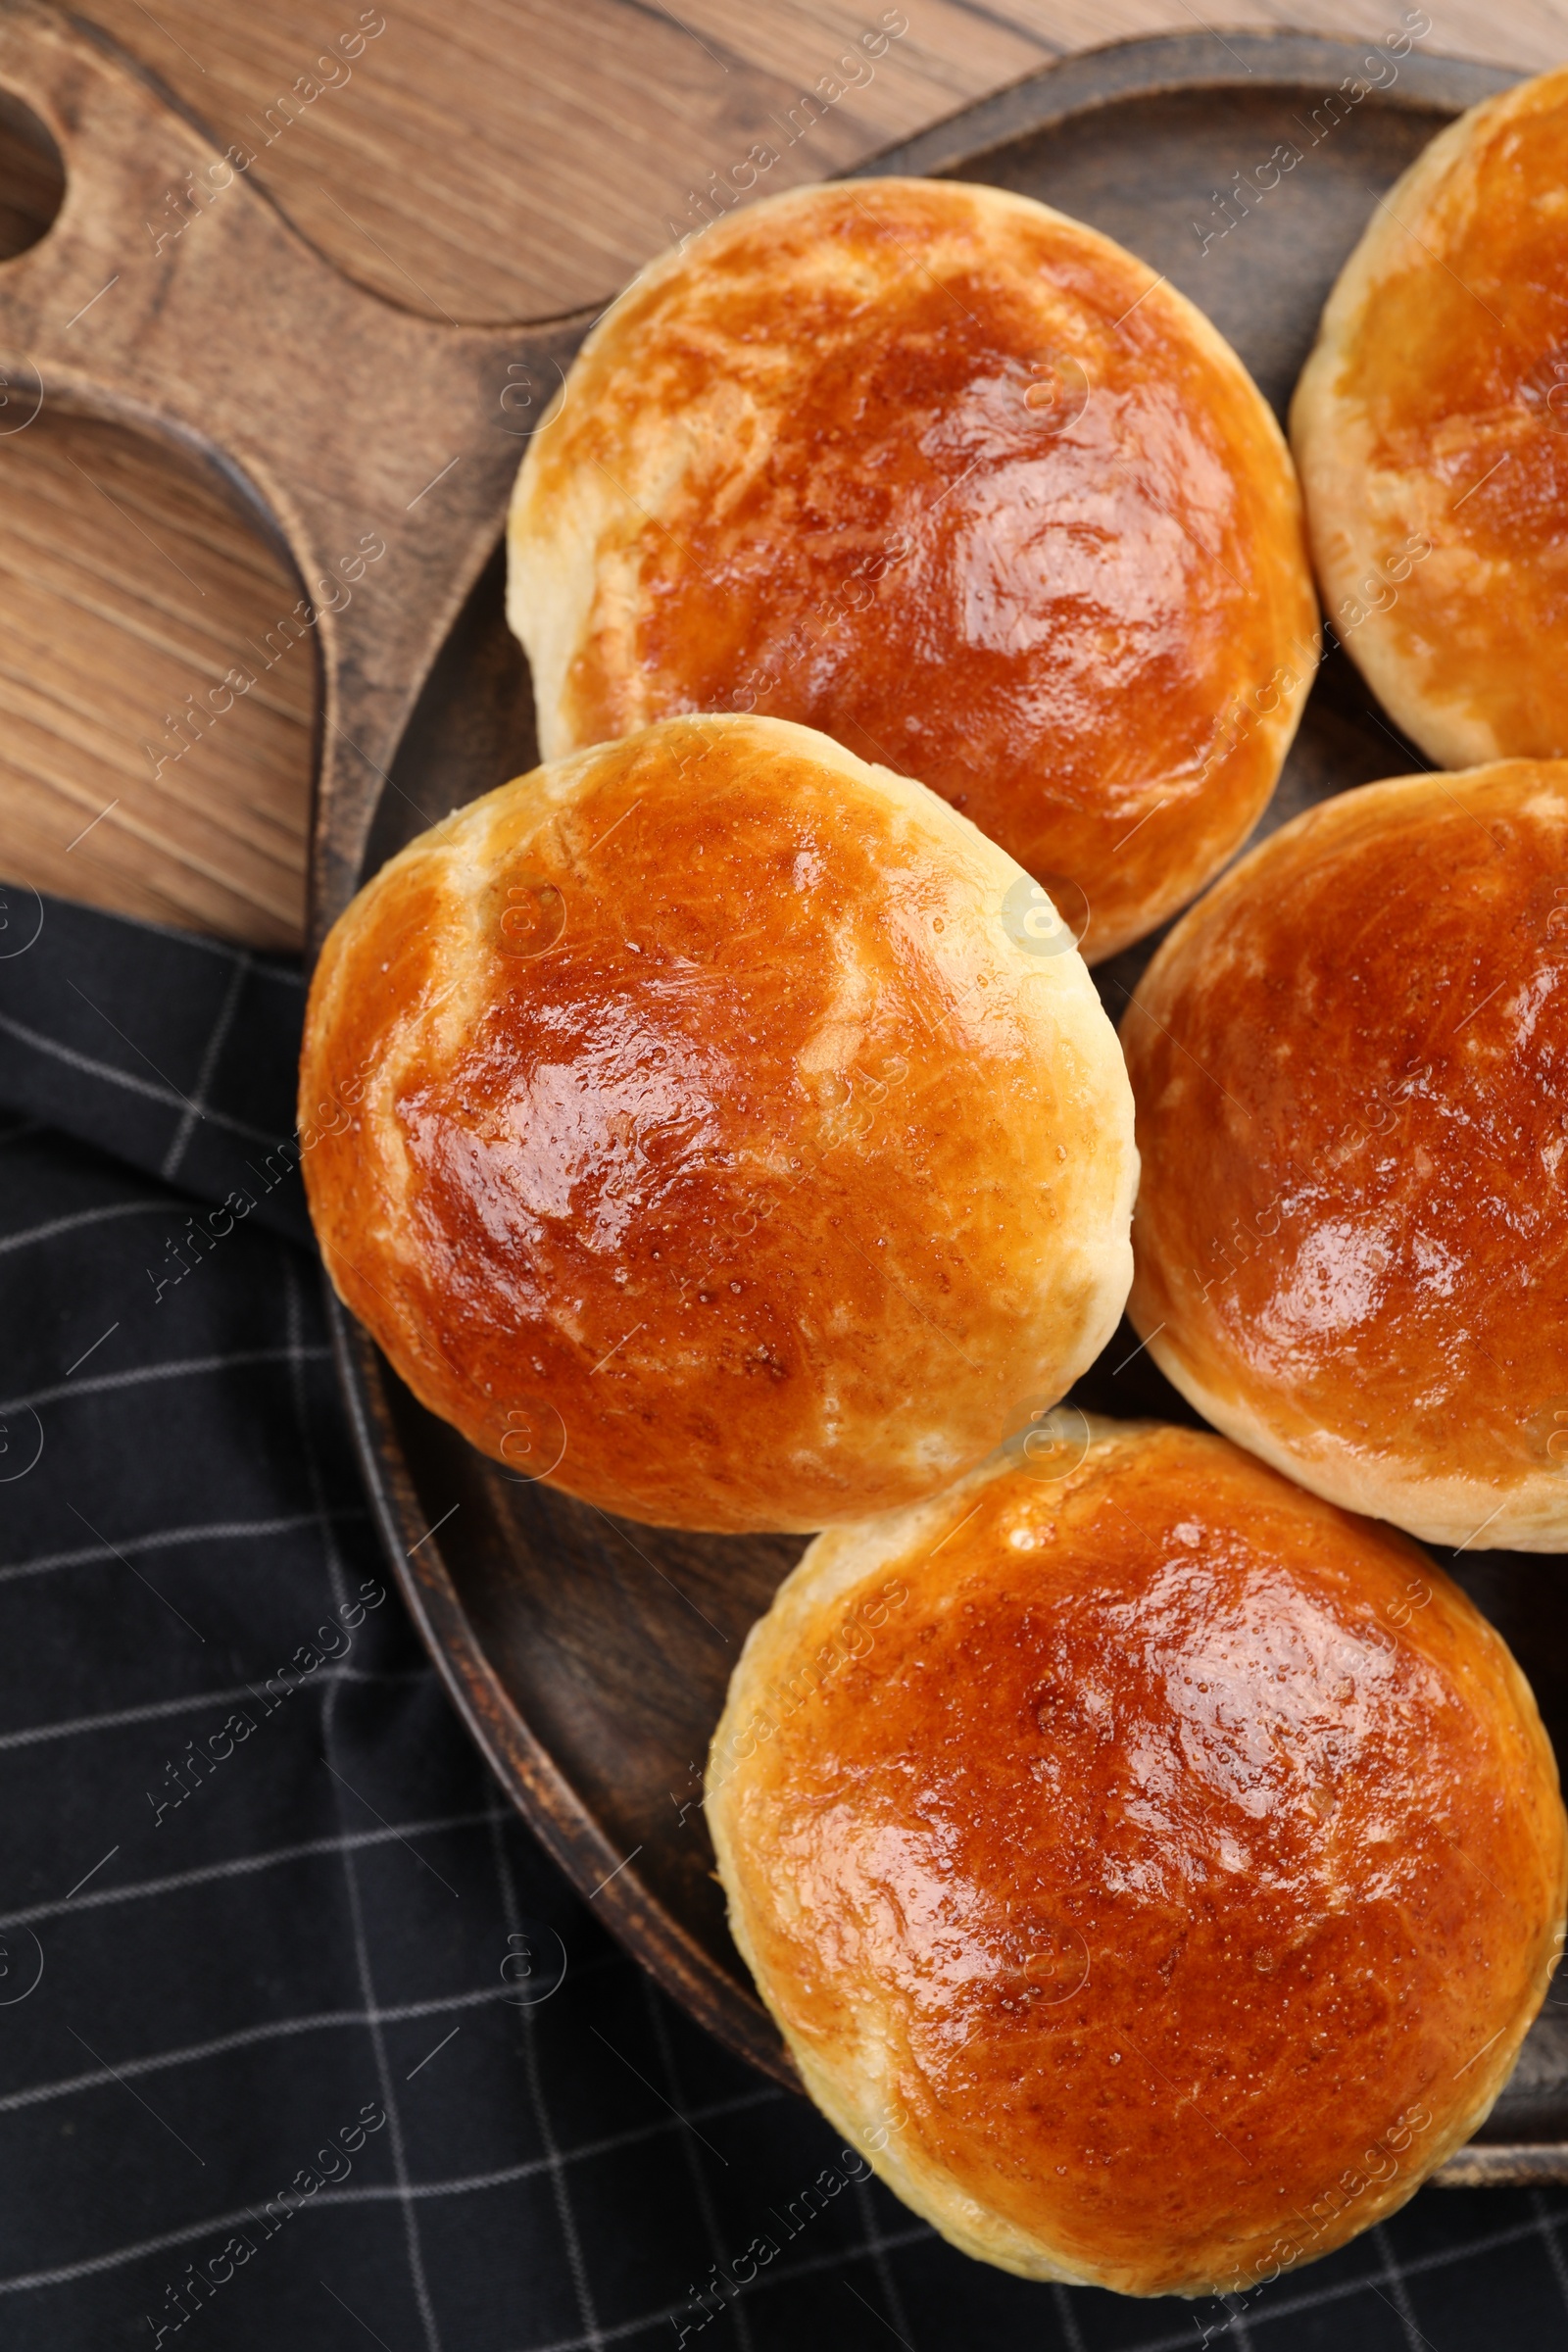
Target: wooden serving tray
[(589, 1657)]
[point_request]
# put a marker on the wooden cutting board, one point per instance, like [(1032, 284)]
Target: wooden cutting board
[(507, 162)]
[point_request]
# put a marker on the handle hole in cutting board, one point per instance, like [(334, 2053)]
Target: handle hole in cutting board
[(33, 179)]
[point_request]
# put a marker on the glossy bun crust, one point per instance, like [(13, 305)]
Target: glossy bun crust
[(1154, 1870), (958, 481), (1351, 1240), (1431, 428), (687, 1126)]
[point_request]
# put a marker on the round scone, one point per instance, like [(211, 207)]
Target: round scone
[(1431, 428), (1152, 1868), (963, 483), (696, 1125), (1352, 1237)]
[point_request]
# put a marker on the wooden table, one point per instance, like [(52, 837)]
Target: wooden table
[(483, 159)]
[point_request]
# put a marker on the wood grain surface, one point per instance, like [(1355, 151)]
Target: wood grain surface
[(503, 159)]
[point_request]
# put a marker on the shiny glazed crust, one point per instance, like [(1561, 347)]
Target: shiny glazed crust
[(692, 1124), (963, 483), (1431, 428), (1153, 1869), (1351, 1243)]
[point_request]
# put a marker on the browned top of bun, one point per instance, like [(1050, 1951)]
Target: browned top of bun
[(1350, 1235), (1434, 417), (710, 1144), (1168, 1863), (956, 480)]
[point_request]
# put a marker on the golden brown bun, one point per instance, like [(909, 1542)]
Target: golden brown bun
[(958, 481), (1154, 1870), (1431, 428), (711, 1140), (1351, 1240)]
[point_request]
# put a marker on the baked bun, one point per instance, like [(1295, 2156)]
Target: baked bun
[(694, 1124), (958, 481), (1351, 1240), (1153, 1869), (1431, 428)]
